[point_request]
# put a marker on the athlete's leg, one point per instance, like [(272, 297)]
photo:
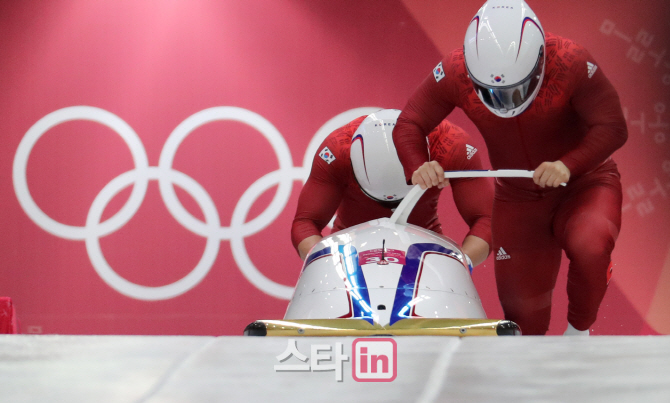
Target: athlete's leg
[(527, 259), (587, 225)]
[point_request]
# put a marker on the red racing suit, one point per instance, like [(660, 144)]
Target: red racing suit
[(332, 187), (576, 118)]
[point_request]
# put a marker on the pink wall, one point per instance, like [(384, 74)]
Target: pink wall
[(181, 77)]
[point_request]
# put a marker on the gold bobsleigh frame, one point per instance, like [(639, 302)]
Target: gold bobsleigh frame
[(404, 327)]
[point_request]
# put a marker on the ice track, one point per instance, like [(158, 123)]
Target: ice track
[(84, 369)]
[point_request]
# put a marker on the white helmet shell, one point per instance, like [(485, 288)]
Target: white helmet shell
[(504, 55), (374, 158)]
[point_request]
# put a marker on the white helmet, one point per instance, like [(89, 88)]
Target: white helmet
[(504, 55), (375, 161)]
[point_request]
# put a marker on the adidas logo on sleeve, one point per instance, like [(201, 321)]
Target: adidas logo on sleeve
[(470, 150), (502, 255), (591, 68)]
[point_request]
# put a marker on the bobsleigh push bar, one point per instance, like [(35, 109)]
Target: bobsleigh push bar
[(405, 208)]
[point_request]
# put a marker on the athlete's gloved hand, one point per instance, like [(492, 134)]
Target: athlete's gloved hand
[(430, 174), (551, 174)]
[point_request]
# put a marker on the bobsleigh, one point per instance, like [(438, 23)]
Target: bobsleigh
[(385, 277)]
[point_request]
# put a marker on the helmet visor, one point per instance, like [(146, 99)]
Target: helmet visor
[(510, 97)]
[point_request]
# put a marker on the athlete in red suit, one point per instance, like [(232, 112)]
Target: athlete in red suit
[(567, 134), (332, 187)]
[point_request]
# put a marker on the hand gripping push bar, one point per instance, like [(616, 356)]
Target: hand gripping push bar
[(405, 208), (501, 173)]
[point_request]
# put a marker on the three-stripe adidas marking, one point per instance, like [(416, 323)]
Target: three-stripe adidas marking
[(502, 255), (470, 150), (591, 68)]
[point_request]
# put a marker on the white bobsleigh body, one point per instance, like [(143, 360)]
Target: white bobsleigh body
[(384, 272), (385, 277)]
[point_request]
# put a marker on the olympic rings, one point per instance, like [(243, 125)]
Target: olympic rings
[(167, 177)]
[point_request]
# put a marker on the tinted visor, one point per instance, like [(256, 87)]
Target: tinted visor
[(513, 96)]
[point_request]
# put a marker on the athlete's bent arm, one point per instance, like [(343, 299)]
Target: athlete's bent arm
[(474, 200), (473, 196), (426, 108), (307, 244), (318, 202), (597, 102), (476, 248)]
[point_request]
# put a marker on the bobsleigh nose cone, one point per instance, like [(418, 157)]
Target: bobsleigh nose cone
[(256, 329), (508, 328)]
